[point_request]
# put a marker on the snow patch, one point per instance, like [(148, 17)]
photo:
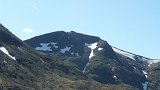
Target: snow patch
[(4, 62), (65, 49), (42, 60), (149, 65), (77, 54), (134, 67), (99, 49), (145, 85), (4, 50), (91, 54), (153, 61), (44, 47), (72, 53), (92, 46), (54, 44), (145, 73), (115, 77), (131, 56)]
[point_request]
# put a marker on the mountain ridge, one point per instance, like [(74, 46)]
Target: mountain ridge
[(92, 36)]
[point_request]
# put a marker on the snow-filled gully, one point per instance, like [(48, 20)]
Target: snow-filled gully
[(145, 84), (92, 47)]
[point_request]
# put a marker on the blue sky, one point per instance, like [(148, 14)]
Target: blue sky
[(132, 25)]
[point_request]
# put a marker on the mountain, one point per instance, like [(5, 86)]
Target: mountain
[(23, 68), (96, 59), (72, 61)]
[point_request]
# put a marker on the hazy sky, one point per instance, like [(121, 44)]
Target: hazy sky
[(132, 25)]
